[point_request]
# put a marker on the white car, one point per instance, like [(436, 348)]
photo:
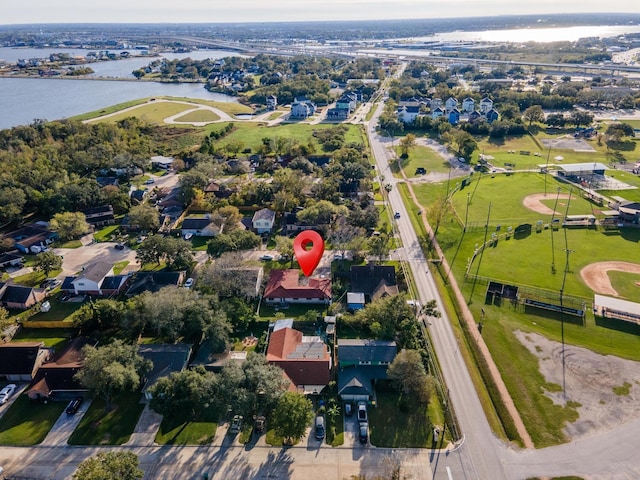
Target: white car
[(188, 283), (6, 392)]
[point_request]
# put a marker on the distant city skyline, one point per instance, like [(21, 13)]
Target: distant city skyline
[(215, 11)]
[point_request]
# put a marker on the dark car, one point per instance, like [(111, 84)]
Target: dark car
[(362, 412), (363, 434), (119, 246), (319, 424), (74, 405), (259, 425)]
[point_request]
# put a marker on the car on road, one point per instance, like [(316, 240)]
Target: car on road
[(396, 215), (266, 258), (6, 392), (74, 405), (119, 246), (363, 432), (319, 427), (149, 181), (236, 424), (362, 412), (188, 283)]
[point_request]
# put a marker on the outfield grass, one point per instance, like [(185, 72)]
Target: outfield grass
[(626, 284), (99, 427), (174, 431), (199, 116), (27, 423)]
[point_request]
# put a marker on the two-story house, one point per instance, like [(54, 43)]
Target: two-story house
[(263, 221)]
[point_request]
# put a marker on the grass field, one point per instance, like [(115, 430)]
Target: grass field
[(99, 427), (52, 337), (251, 134), (528, 261), (198, 116), (26, 423), (154, 112), (421, 157)]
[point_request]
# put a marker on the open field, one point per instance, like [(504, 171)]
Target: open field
[(154, 112), (528, 261), (251, 134), (424, 157), (198, 116)]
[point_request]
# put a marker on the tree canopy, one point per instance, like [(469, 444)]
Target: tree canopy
[(292, 416), (122, 465)]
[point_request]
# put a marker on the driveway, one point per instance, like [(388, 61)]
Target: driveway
[(64, 426), (75, 259)]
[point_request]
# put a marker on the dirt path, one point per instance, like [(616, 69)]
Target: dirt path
[(533, 202), (597, 279)]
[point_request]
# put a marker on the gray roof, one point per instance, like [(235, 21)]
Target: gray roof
[(195, 223), (357, 380), (95, 271), (264, 214), (356, 350), (583, 167), (166, 358), (617, 304)]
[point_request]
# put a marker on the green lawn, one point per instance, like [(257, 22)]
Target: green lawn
[(174, 431), (111, 109), (198, 116), (35, 278), (99, 427), (55, 338), (424, 157), (154, 112), (251, 134), (27, 423), (69, 244), (60, 311), (119, 266), (394, 427), (105, 234)]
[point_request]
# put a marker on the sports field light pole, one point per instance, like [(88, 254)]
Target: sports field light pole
[(546, 169)]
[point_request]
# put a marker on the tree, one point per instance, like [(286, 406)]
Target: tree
[(69, 225), (292, 416), (379, 246), (186, 393), (145, 217), (121, 465), (408, 373), (407, 143), (5, 319), (532, 114), (110, 369), (285, 246), (580, 117), (47, 262), (12, 201)]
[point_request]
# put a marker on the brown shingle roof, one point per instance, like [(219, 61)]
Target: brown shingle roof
[(286, 284)]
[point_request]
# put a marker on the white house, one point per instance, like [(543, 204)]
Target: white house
[(91, 278), (199, 227), (302, 108), (438, 112), (263, 221), (450, 104), (468, 105), (408, 113), (486, 104)]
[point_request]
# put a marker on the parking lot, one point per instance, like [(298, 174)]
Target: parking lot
[(75, 259)]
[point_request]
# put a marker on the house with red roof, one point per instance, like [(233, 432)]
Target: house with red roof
[(287, 286), (305, 359)]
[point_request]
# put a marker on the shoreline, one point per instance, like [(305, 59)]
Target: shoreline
[(110, 79)]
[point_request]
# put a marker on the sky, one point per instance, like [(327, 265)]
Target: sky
[(222, 11)]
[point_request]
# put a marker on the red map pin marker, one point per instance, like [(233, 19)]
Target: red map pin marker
[(308, 259)]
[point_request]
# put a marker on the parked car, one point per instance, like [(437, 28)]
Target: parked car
[(6, 392), (363, 432), (362, 412), (236, 424), (259, 425), (319, 427), (348, 409), (266, 258), (149, 181), (50, 284), (119, 246), (74, 405), (188, 283)]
